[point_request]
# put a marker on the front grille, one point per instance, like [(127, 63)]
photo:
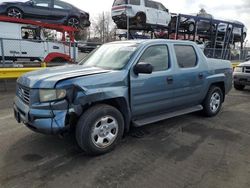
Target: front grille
[(23, 93), (247, 70)]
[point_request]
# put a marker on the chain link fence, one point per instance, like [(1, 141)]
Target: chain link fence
[(227, 54)]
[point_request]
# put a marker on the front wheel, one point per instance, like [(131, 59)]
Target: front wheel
[(74, 22), (191, 27), (213, 101), (99, 129)]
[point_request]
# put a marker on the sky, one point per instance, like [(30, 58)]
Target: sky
[(220, 9)]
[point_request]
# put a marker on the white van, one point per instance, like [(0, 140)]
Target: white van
[(140, 13), (24, 42)]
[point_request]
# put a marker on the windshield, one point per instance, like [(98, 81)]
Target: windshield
[(110, 56)]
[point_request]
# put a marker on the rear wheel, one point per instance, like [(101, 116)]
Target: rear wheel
[(99, 129), (191, 27), (239, 87), (213, 101), (14, 12), (74, 22), (244, 36), (141, 19)]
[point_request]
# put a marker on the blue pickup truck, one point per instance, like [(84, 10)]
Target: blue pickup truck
[(122, 84)]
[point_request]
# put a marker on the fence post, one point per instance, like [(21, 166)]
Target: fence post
[(2, 51), (74, 51)]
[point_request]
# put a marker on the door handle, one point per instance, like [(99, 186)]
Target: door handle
[(201, 76), (170, 79)]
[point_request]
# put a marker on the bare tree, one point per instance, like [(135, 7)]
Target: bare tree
[(103, 27)]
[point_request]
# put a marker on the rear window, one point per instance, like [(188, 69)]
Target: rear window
[(120, 2), (186, 56)]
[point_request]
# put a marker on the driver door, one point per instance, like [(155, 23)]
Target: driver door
[(152, 93), (39, 9)]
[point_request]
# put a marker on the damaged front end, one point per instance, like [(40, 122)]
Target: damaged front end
[(52, 117)]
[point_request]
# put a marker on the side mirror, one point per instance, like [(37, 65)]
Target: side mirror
[(143, 68)]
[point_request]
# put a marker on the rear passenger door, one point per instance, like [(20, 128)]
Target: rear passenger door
[(151, 93), (190, 76)]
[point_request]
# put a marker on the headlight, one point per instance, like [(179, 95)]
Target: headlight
[(238, 69), (47, 95)]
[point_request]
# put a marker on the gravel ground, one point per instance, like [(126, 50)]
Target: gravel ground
[(187, 152)]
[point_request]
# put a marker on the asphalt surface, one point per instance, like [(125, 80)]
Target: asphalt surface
[(186, 152)]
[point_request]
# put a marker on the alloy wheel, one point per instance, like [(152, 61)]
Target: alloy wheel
[(73, 22)]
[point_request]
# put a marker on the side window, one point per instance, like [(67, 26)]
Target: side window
[(41, 3), (151, 4), (162, 8), (61, 5), (30, 34), (186, 56), (134, 2), (157, 56)]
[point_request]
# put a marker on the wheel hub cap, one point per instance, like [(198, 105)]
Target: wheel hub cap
[(215, 102), (105, 131)]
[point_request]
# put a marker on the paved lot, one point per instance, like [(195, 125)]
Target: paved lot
[(188, 151)]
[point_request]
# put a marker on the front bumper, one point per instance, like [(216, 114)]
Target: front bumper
[(242, 78), (46, 121)]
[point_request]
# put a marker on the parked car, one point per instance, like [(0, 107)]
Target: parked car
[(141, 13), (122, 84), (26, 42), (88, 47), (187, 23), (51, 11), (241, 75), (237, 31)]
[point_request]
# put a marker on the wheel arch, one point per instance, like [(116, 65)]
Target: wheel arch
[(120, 104), (221, 85)]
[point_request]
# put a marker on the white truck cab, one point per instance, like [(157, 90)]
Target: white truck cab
[(26, 42)]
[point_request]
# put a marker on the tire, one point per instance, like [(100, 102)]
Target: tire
[(108, 123), (14, 12), (73, 22), (239, 87), (191, 27), (213, 101), (141, 19), (244, 36)]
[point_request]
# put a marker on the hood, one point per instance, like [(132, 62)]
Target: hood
[(49, 77), (247, 63)]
